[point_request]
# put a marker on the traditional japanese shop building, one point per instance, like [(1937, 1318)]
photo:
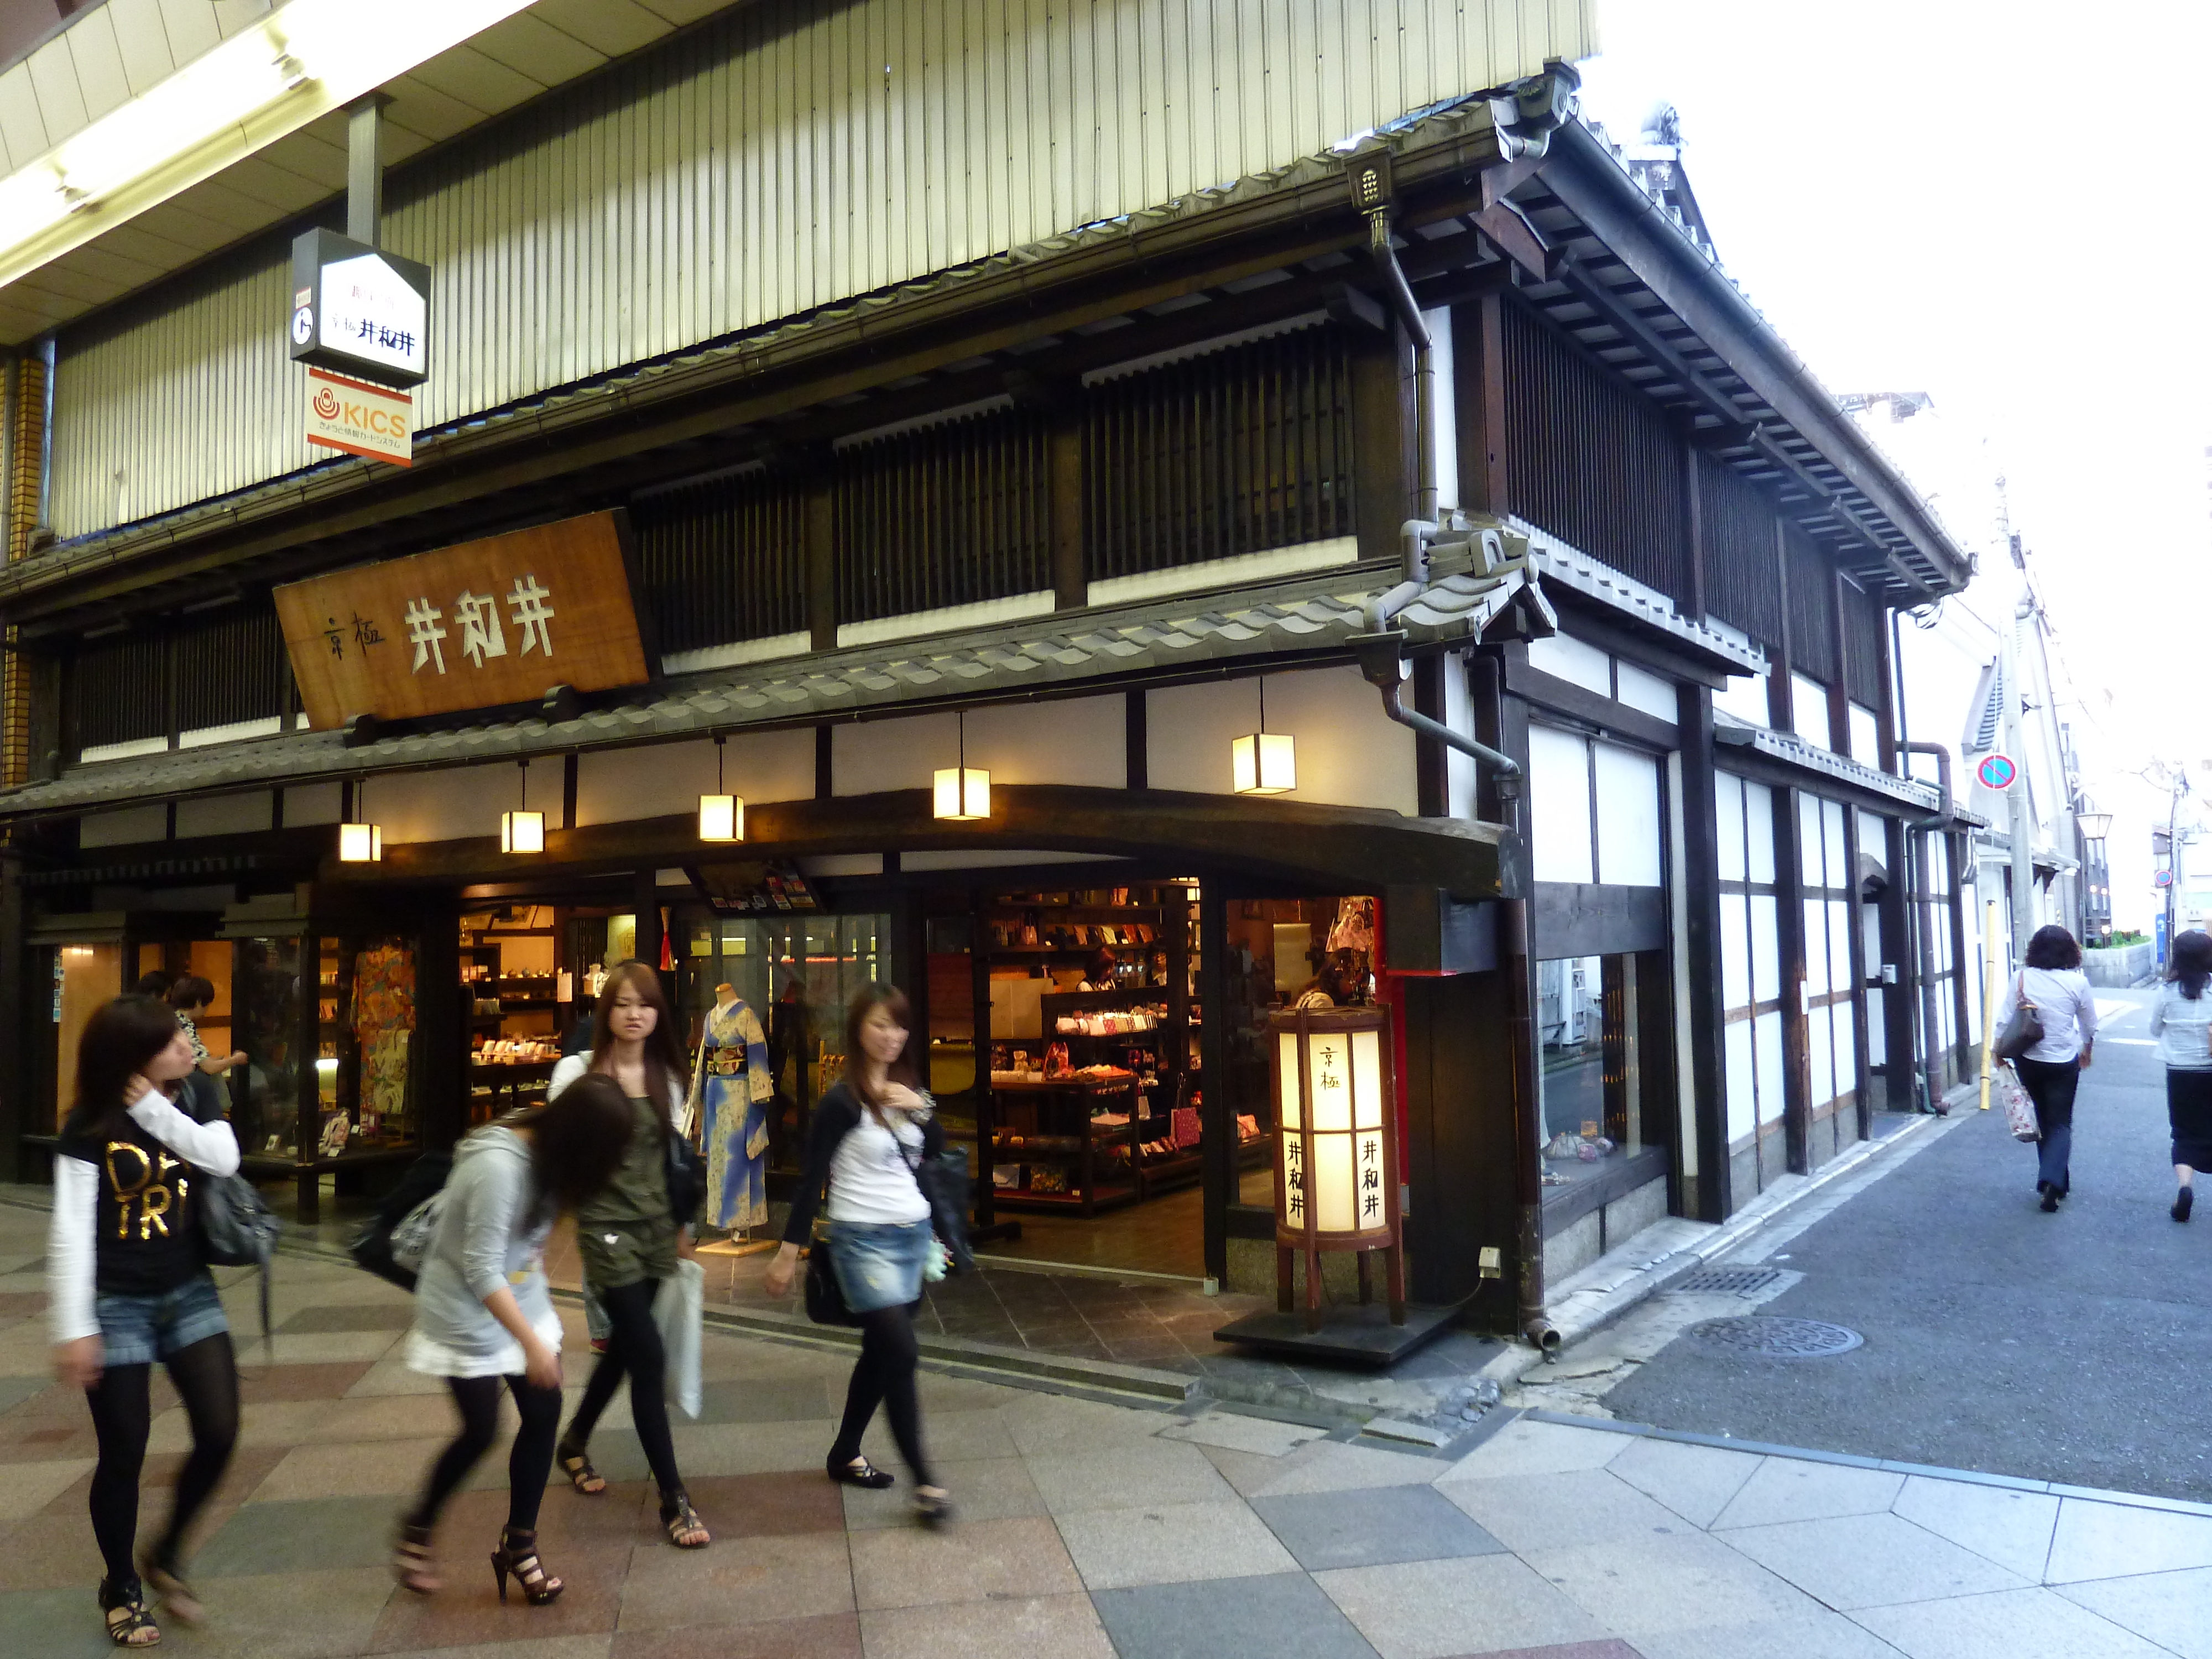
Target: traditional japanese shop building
[(723, 519)]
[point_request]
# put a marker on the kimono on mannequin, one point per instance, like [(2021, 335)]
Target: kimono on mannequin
[(731, 1093)]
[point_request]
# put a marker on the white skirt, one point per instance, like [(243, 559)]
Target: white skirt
[(431, 1357)]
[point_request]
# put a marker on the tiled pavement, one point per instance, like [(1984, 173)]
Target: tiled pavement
[(1087, 1529)]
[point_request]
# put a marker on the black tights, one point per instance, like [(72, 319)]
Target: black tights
[(528, 1466), (884, 1375), (205, 1376), (633, 1350)]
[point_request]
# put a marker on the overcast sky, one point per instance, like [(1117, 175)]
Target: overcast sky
[(2003, 204)]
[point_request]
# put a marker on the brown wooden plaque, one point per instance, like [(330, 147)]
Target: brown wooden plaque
[(500, 621)]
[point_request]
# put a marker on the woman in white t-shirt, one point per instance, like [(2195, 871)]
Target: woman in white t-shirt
[(865, 1140), (2181, 1020), (2052, 983)]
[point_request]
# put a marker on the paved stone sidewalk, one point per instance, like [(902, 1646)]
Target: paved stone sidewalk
[(1089, 1528)]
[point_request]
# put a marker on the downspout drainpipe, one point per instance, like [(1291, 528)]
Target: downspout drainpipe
[(1918, 857), (1382, 659)]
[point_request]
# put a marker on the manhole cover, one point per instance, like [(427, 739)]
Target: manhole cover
[(1729, 1281), (1775, 1337)]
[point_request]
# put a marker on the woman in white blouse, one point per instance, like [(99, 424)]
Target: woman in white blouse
[(2052, 983)]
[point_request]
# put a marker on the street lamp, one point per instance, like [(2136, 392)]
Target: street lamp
[(2096, 826)]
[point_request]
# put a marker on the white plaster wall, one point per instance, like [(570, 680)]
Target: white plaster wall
[(125, 828), (317, 802), (868, 756), (461, 802), (225, 815), (1349, 753), (1076, 741), (663, 780)]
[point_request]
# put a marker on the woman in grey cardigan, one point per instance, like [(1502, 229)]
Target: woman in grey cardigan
[(484, 1318)]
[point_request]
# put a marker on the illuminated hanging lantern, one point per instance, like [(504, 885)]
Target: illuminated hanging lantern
[(1263, 762), (522, 830), (1336, 1164), (722, 816), (963, 793), (362, 843)]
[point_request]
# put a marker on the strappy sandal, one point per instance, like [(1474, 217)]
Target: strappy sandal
[(411, 1564), (685, 1530), (517, 1554), (861, 1473), (174, 1594), (129, 1623), (578, 1467)]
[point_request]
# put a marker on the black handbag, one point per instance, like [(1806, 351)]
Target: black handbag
[(2022, 1031), (825, 1298), (237, 1229), (687, 1180)]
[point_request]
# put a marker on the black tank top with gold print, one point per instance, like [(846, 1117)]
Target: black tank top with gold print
[(149, 1201)]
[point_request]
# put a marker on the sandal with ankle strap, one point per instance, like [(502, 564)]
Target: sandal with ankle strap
[(410, 1561), (577, 1466), (682, 1521), (861, 1473), (517, 1554), (129, 1623)]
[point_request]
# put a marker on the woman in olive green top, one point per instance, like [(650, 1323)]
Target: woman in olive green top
[(629, 1239)]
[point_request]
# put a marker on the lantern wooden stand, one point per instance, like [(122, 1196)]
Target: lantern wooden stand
[(1336, 1150)]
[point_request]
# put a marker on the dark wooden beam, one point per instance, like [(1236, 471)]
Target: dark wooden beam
[(1703, 1175)]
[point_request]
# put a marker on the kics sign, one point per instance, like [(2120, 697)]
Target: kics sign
[(360, 418)]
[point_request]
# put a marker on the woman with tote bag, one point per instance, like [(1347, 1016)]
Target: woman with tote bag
[(866, 1140), (2181, 1020), (2051, 983), (630, 1239)]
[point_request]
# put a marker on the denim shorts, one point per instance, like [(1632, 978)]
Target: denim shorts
[(137, 1330), (879, 1265)]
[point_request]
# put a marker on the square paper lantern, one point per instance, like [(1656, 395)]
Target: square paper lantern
[(522, 832), (964, 794), (1263, 764), (721, 818), (1336, 1170), (361, 843)]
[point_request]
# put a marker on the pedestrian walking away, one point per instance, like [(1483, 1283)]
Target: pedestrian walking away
[(869, 1135), (2051, 983), (128, 1284), (630, 1237), (2181, 1020), (484, 1319)]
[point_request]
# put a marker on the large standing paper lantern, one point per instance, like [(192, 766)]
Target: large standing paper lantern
[(1336, 1164)]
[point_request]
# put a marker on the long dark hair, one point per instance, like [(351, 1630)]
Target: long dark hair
[(2191, 965), (578, 1139), (664, 1054), (2052, 947), (120, 1040), (866, 1001)]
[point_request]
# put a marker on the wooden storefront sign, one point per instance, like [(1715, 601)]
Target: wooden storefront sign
[(499, 621)]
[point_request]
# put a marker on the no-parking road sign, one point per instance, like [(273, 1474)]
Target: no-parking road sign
[(1997, 772)]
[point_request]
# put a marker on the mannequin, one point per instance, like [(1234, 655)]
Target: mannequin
[(730, 1093)]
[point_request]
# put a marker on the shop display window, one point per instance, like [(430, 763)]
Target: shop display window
[(85, 975), (1590, 1015)]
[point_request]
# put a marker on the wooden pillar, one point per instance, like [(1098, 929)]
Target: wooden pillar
[(1796, 1063), (1862, 1108), (1382, 442), (439, 1078), (1694, 532), (1960, 989), (1901, 988), (1217, 1125), (17, 1075), (1839, 696), (1478, 394), (1071, 576), (647, 896), (1781, 696), (1705, 1195), (821, 532), (1431, 784)]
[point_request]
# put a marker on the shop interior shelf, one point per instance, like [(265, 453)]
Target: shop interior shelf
[(1104, 1198)]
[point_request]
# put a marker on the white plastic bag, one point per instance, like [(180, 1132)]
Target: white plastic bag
[(676, 1310)]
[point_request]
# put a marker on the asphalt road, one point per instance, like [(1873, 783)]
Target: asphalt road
[(2073, 1347)]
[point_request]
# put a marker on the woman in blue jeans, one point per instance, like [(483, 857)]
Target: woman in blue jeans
[(2052, 983), (863, 1142)]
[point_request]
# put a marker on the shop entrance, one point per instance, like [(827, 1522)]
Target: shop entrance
[(1068, 1031)]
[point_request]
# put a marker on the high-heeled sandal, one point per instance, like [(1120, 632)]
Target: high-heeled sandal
[(411, 1564), (577, 1466), (129, 1623), (170, 1589), (682, 1522), (861, 1473), (518, 1555)]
